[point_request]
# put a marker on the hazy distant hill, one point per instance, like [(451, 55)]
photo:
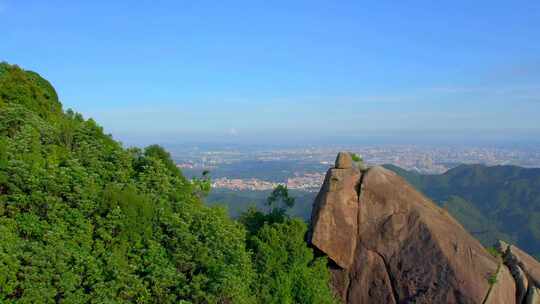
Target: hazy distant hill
[(491, 202), (242, 200)]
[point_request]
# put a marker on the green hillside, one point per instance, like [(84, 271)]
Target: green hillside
[(499, 202), (84, 220)]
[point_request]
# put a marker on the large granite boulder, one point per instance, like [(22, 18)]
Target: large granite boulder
[(387, 243), (336, 215), (344, 161)]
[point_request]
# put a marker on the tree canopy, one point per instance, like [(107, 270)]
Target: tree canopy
[(285, 267), (84, 220)]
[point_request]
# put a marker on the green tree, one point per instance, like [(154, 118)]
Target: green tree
[(280, 200), (286, 269), (160, 153)]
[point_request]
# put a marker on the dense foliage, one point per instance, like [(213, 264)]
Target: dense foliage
[(286, 269), (83, 220), (499, 202)]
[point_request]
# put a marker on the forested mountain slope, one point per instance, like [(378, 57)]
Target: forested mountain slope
[(498, 202), (83, 220)]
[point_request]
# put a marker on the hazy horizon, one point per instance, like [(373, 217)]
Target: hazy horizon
[(510, 139), (308, 72)]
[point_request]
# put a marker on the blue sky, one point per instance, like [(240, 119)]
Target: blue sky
[(285, 70)]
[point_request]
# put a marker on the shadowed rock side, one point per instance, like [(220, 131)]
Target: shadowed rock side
[(390, 244), (525, 270)]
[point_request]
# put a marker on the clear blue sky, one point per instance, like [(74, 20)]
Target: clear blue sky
[(285, 70)]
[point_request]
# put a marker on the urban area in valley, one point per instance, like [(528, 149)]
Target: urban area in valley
[(259, 168)]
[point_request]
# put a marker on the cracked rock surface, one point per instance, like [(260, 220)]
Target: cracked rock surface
[(388, 243), (526, 272)]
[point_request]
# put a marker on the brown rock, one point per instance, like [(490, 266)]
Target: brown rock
[(430, 256), (503, 291), (344, 160), (530, 266), (335, 219), (401, 248), (372, 284), (525, 270), (522, 283)]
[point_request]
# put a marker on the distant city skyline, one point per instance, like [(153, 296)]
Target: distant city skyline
[(304, 168), (231, 162), (302, 72)]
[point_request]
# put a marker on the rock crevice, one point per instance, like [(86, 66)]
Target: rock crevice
[(525, 270), (390, 244), (389, 274)]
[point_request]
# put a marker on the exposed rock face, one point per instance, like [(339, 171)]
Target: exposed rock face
[(390, 244), (500, 292), (525, 270), (337, 215), (344, 161)]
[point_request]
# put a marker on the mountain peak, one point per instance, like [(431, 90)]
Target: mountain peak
[(28, 89)]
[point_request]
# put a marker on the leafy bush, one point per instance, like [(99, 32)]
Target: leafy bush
[(356, 158), (492, 279), (493, 251)]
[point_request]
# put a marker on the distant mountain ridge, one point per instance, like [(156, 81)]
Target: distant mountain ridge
[(492, 202)]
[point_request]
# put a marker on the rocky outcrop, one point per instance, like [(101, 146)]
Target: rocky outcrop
[(336, 213), (525, 270), (500, 291), (344, 161), (387, 243)]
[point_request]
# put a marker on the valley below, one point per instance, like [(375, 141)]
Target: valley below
[(492, 201)]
